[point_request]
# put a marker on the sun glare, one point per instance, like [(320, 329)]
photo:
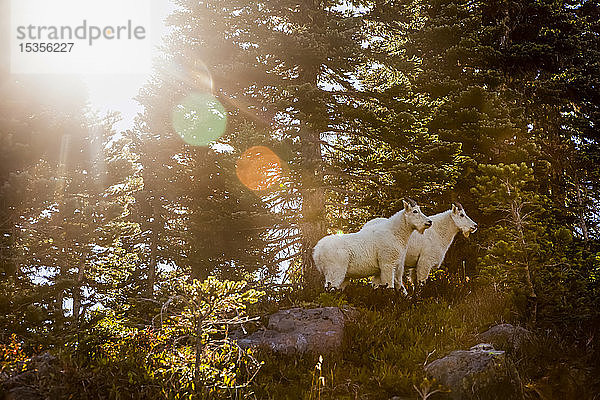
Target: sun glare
[(113, 67), (81, 37)]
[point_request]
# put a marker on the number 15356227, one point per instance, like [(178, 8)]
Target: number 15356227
[(46, 47)]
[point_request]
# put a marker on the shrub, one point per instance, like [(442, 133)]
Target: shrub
[(187, 356)]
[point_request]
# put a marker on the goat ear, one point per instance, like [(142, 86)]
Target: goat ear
[(406, 205), (454, 208)]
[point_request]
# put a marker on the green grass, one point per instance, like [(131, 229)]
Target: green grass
[(386, 346)]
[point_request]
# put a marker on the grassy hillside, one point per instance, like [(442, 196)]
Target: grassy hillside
[(392, 339), (385, 347)]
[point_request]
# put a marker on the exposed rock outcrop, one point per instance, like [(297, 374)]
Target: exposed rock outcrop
[(506, 337), (298, 330), (480, 372)]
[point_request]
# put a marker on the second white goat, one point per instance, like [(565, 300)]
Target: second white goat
[(426, 251)]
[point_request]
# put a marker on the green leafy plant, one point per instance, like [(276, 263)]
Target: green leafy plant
[(197, 318)]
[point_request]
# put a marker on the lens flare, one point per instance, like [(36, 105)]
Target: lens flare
[(199, 119), (201, 77), (259, 168)]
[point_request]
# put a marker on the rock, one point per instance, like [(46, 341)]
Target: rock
[(298, 330), (17, 383), (506, 337), (24, 393), (481, 372)]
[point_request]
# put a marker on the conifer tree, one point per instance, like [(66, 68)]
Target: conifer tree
[(192, 211), (285, 67), (56, 211), (508, 84)]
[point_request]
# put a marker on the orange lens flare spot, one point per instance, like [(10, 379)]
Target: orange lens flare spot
[(259, 168)]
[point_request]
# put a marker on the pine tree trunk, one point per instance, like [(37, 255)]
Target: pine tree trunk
[(152, 266), (531, 298), (312, 226), (60, 314), (156, 228), (312, 229), (77, 295)]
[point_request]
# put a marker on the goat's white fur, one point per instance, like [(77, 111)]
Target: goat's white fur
[(426, 251), (378, 251)]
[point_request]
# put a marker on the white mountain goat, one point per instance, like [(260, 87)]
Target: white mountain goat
[(427, 250), (378, 251)]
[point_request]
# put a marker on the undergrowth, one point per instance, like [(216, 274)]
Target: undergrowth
[(387, 344)]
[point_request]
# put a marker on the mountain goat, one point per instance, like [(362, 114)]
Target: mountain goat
[(378, 251), (427, 250)]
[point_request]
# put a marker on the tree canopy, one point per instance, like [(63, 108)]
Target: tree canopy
[(268, 125)]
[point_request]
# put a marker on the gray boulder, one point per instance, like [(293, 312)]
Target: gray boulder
[(478, 373), (298, 330), (21, 383), (506, 337)]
